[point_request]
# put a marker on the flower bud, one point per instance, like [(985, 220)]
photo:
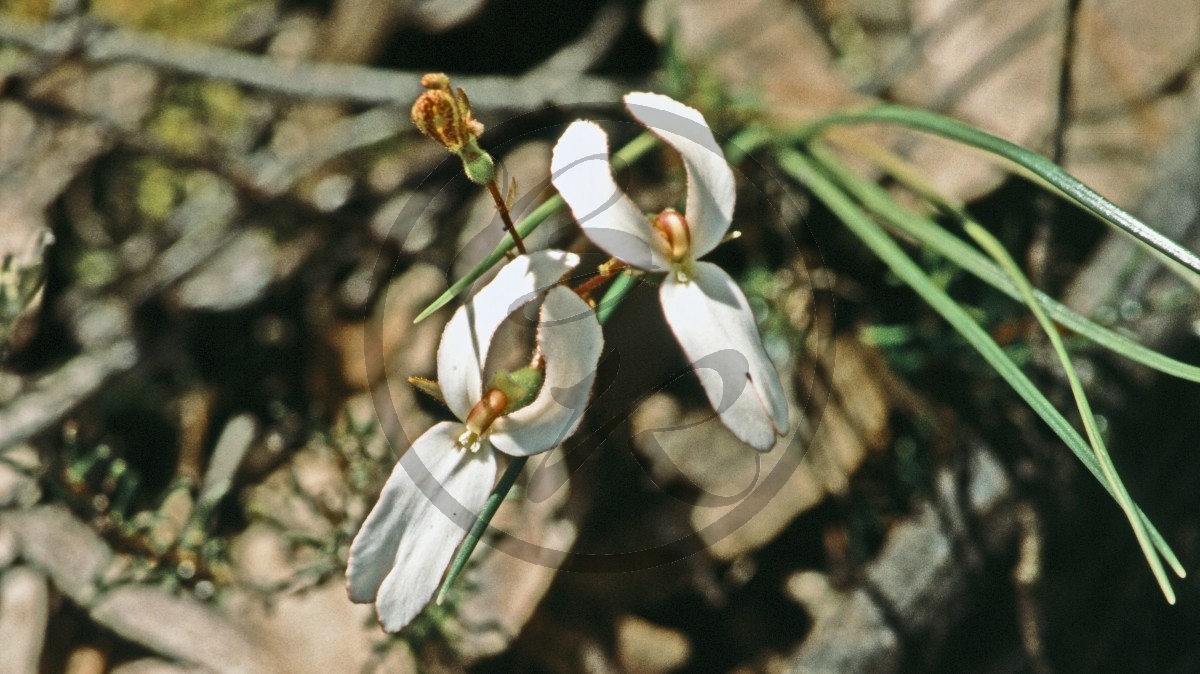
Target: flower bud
[(437, 115), (673, 227), (445, 116)]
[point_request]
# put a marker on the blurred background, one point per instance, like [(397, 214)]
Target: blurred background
[(208, 207)]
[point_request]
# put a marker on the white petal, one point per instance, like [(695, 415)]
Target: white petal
[(570, 340), (467, 337), (581, 173), (399, 556), (711, 193), (373, 552), (709, 315)]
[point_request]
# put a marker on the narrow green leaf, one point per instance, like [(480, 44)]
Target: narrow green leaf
[(1182, 261), (1116, 486), (936, 238), (803, 169)]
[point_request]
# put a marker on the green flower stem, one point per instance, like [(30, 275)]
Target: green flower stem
[(625, 156), (930, 234), (616, 293), (1179, 259), (625, 282), (490, 506), (802, 168), (1136, 520)]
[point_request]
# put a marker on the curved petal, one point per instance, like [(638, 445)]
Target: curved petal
[(433, 531), (581, 174), (715, 327), (373, 552), (570, 340), (710, 193), (467, 337)]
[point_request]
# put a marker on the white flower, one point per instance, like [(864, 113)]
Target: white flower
[(430, 500), (706, 310)]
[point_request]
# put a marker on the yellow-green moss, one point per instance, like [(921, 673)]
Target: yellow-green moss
[(37, 10), (206, 20)]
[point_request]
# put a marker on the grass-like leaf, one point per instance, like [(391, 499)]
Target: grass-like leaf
[(937, 239), (807, 171), (1138, 521), (1179, 259)]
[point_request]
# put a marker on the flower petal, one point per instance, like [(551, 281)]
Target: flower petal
[(570, 340), (467, 337), (710, 193), (373, 552), (400, 554), (715, 327), (581, 173)]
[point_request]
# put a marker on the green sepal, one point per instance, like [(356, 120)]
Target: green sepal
[(519, 386), (477, 163)]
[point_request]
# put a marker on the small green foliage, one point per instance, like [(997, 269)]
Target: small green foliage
[(96, 267), (158, 191), (35, 10), (209, 21)]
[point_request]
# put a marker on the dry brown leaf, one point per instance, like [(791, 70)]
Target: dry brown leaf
[(24, 613), (318, 630)]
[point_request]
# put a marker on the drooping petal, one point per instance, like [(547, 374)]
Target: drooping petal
[(570, 340), (437, 531), (467, 337), (581, 173), (373, 552), (710, 192), (715, 327)]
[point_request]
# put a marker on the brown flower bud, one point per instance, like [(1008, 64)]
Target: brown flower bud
[(437, 115), (444, 114)]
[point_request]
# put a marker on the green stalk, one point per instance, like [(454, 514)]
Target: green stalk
[(490, 506)]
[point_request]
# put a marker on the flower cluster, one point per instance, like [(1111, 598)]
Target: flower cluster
[(437, 489)]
